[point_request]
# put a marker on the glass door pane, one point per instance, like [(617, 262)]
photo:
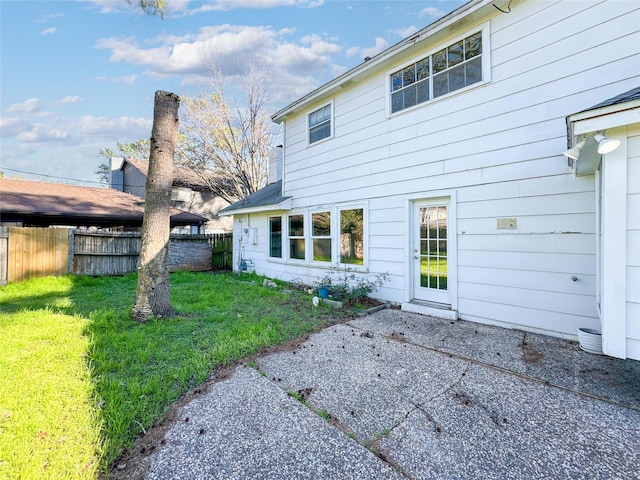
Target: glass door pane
[(433, 247)]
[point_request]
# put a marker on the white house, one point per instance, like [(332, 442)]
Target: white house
[(448, 161)]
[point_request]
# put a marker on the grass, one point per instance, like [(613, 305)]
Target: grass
[(80, 381)]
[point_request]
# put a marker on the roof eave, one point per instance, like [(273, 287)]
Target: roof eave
[(383, 58), (605, 117), (283, 206)]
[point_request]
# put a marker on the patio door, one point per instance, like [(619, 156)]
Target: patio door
[(432, 258)]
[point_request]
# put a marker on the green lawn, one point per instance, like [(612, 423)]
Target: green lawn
[(79, 380)]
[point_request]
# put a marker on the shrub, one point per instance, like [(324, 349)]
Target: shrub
[(347, 286)]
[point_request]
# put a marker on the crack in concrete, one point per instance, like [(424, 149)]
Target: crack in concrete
[(522, 376)]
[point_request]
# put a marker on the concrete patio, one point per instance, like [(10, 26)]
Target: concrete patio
[(398, 395)]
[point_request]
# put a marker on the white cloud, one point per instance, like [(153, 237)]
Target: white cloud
[(49, 17), (226, 5), (231, 49), (48, 31), (128, 79), (28, 106), (364, 52), (42, 133), (177, 8), (12, 126), (115, 128), (405, 32), (111, 6), (69, 99), (431, 12)]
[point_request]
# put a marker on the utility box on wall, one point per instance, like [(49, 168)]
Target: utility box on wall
[(250, 235)]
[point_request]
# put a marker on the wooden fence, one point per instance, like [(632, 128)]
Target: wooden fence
[(36, 252), (33, 252)]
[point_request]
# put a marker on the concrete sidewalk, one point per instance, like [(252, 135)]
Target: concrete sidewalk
[(396, 395)]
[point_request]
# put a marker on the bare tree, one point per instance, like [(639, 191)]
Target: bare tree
[(226, 142), (152, 293)]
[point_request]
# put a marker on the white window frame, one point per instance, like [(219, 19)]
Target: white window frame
[(304, 236), (486, 69), (307, 214), (283, 223), (312, 237), (365, 236), (331, 123)]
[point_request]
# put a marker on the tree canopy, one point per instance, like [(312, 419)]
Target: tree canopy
[(152, 7), (226, 141)]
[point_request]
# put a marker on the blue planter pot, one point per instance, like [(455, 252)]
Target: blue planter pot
[(323, 292)]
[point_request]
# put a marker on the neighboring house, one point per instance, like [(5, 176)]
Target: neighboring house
[(24, 203), (189, 192), (445, 161)]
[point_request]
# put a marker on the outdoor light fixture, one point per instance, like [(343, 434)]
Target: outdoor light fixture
[(605, 145), (574, 153)]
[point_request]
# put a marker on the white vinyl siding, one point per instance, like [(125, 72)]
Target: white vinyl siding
[(633, 245), (499, 147)]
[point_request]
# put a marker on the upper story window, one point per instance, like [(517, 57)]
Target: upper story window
[(454, 67), (320, 124)]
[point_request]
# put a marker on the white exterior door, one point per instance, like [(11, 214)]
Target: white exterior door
[(432, 257)]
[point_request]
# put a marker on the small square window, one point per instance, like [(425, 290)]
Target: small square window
[(320, 124)]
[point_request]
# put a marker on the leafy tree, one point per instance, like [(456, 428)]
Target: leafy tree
[(103, 172), (139, 150), (225, 141), (152, 293), (152, 7)]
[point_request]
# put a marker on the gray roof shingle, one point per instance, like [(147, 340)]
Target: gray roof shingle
[(271, 195), (633, 94)]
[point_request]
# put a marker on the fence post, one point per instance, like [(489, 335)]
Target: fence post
[(71, 250), (4, 255)]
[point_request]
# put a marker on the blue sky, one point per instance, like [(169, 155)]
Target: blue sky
[(78, 76)]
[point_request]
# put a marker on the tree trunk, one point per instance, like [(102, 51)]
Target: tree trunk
[(152, 294)]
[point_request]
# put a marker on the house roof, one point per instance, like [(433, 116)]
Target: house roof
[(633, 94), (622, 109), (182, 177), (267, 198), (471, 12), (41, 203)]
